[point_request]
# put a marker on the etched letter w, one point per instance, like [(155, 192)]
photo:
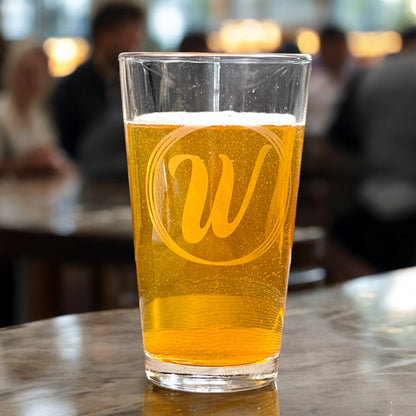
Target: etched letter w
[(197, 194)]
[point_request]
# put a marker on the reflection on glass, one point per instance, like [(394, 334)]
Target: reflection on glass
[(162, 402)]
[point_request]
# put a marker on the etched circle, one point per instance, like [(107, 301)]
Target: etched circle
[(155, 160)]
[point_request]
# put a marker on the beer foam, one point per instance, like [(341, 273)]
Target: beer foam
[(220, 118)]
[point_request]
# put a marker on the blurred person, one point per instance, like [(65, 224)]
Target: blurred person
[(27, 139), (102, 150), (89, 96), (381, 228), (330, 74), (330, 170), (288, 46), (194, 42)]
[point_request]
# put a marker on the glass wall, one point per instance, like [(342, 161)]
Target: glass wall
[(44, 18), (373, 15), (232, 25), (168, 20)]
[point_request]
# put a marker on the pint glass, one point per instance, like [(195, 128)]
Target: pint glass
[(214, 145)]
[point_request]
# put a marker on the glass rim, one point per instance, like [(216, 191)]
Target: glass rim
[(210, 57)]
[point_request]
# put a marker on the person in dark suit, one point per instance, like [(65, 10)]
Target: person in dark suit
[(83, 100)]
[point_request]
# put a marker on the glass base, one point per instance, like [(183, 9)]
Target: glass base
[(211, 379)]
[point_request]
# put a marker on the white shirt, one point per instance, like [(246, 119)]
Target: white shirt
[(19, 136), (325, 91)]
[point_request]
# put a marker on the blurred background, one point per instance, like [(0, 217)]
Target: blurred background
[(65, 225), (372, 26)]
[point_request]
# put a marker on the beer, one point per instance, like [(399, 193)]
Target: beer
[(213, 200)]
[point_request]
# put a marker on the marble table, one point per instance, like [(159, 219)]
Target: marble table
[(347, 350), (67, 220)]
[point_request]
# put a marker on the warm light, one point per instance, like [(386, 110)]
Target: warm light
[(308, 41), (230, 36), (246, 36), (272, 35), (374, 44), (65, 54), (392, 40)]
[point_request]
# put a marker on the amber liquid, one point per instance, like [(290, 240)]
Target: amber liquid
[(219, 300)]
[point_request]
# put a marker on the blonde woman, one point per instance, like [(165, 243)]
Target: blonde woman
[(27, 139)]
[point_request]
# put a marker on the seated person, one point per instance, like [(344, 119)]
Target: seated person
[(27, 141)]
